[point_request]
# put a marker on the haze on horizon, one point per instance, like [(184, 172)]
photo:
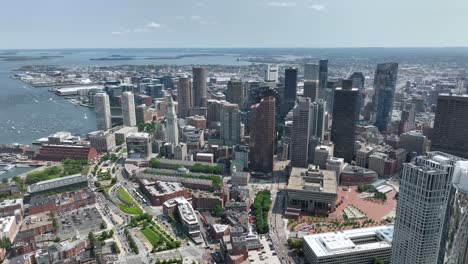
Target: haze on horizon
[(28, 24)]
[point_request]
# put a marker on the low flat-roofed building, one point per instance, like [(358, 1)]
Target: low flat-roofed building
[(205, 157), (314, 190), (355, 175), (240, 178), (160, 191), (138, 145), (219, 231), (355, 246), (61, 202), (8, 227), (61, 152), (39, 223), (12, 207), (206, 200), (121, 134), (102, 141), (187, 216), (62, 182)]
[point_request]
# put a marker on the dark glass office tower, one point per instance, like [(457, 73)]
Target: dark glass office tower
[(323, 74), (384, 91), (345, 116), (199, 86), (290, 84), (451, 125)]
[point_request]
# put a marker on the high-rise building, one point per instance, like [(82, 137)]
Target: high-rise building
[(230, 124), (235, 92), (271, 73), (385, 80), (138, 145), (311, 72), (424, 190), (171, 122), (451, 125), (345, 116), (414, 141), (317, 119), (200, 75), (358, 80), (262, 135), (454, 241), (323, 74), (103, 113), (128, 109), (290, 84), (184, 96), (311, 90), (300, 133)]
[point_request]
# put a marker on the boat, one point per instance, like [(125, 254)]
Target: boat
[(12, 127), (9, 167), (85, 117), (36, 101), (50, 99)]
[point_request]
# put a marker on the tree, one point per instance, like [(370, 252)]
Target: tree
[(5, 243), (57, 239), (154, 163), (4, 180), (377, 261), (91, 237), (103, 225), (217, 211)]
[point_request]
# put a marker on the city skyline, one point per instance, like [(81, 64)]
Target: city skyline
[(201, 23)]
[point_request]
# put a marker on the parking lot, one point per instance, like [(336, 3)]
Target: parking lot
[(265, 255), (82, 220)]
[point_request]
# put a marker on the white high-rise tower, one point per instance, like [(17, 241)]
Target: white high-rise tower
[(172, 129), (103, 113), (128, 109)]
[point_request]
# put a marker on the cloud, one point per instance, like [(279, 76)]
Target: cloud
[(180, 17), (281, 4), (153, 24), (117, 33), (196, 18), (317, 7), (200, 4)]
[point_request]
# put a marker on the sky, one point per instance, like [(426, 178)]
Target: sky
[(27, 24)]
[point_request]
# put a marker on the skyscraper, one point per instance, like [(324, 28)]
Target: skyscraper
[(103, 113), (424, 191), (200, 75), (290, 84), (454, 241), (230, 124), (311, 72), (300, 133), (235, 92), (262, 135), (345, 116), (271, 73), (451, 125), (171, 122), (311, 90), (323, 74), (128, 109), (184, 96), (317, 119), (358, 80), (384, 91)]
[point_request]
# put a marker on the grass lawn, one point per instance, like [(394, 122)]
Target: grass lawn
[(124, 195), (154, 239), (130, 210)]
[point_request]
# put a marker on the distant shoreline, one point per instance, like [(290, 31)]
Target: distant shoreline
[(118, 57)]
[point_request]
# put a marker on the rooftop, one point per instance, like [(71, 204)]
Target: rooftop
[(354, 240), (312, 179)]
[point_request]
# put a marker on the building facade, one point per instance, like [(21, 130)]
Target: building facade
[(103, 113), (262, 135), (200, 75), (385, 80), (128, 109)]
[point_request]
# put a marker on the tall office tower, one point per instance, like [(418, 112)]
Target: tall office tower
[(262, 135), (128, 109), (454, 241), (103, 113), (184, 96), (200, 75), (323, 74), (311, 72), (420, 214), (345, 116), (451, 125), (317, 119), (230, 124), (300, 133), (235, 92), (385, 80), (171, 122), (358, 80), (290, 84), (271, 73), (414, 141), (311, 90)]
